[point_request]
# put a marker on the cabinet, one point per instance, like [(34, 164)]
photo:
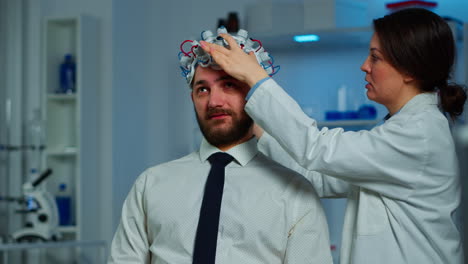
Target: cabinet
[(70, 119), (340, 37)]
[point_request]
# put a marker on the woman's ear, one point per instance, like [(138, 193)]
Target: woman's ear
[(407, 78)]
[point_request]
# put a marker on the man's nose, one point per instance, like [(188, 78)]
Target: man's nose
[(217, 97)]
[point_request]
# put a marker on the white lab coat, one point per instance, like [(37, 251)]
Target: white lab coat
[(401, 178)]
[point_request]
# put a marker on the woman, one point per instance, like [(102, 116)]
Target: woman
[(401, 178)]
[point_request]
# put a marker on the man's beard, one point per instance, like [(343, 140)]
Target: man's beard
[(224, 136)]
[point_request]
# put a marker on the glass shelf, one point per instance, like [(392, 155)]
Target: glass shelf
[(68, 229), (67, 151)]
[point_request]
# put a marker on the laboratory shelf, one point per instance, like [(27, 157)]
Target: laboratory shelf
[(68, 229), (71, 119), (64, 152), (61, 97)]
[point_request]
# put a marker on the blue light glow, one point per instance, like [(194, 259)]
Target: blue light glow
[(306, 38)]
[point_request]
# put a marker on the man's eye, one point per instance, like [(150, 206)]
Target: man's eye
[(230, 85), (202, 89)]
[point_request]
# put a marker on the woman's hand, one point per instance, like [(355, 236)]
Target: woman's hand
[(235, 61)]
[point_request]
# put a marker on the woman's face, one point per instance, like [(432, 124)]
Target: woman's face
[(385, 85)]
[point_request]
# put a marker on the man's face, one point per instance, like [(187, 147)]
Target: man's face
[(219, 102)]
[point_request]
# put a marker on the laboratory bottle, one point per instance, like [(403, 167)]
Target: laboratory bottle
[(342, 98), (63, 200), (67, 75), (35, 141), (232, 22), (221, 23)]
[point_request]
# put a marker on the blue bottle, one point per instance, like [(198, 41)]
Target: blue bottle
[(67, 75), (64, 205)]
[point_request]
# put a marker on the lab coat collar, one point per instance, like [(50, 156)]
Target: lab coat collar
[(242, 153), (428, 98)]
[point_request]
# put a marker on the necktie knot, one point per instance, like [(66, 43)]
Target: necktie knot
[(220, 158)]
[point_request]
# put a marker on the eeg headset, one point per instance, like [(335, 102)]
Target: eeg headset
[(197, 56)]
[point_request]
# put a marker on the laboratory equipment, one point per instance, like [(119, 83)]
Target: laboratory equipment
[(67, 75), (189, 59), (40, 210), (64, 204), (36, 138), (232, 22)]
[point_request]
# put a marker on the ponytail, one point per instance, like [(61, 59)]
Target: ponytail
[(452, 98)]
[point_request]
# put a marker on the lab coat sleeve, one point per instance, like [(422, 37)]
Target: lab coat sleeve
[(325, 186), (308, 239), (379, 160), (130, 244)]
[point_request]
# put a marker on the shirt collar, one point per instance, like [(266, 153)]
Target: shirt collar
[(242, 153)]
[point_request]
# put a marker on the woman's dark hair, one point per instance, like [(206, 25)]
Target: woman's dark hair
[(420, 43)]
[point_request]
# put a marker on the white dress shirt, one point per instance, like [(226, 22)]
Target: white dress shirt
[(269, 214), (401, 178)]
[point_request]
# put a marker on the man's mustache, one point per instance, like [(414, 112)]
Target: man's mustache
[(217, 111)]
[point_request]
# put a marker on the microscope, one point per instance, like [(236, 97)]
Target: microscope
[(41, 213)]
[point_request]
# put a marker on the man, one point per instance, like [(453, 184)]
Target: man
[(269, 214)]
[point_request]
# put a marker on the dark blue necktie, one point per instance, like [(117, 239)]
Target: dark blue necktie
[(207, 231)]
